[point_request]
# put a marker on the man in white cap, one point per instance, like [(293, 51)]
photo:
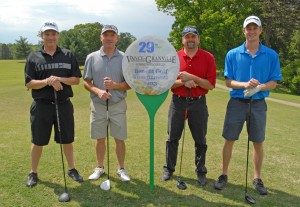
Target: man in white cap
[(47, 70), (251, 70), (103, 78)]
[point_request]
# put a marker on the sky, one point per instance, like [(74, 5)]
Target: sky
[(25, 17)]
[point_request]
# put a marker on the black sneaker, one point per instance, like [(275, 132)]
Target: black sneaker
[(73, 173), (202, 179), (32, 179), (259, 186), (221, 182), (166, 175)]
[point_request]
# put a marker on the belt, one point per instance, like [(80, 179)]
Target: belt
[(50, 101), (188, 98), (248, 100)]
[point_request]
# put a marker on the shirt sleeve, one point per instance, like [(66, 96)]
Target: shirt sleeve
[(87, 73)]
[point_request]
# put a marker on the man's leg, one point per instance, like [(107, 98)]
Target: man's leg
[(227, 152), (100, 151), (120, 152), (68, 151), (36, 153), (258, 154), (72, 172)]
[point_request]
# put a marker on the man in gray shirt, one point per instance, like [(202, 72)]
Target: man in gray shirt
[(103, 78)]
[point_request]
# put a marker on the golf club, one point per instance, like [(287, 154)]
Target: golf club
[(65, 196), (180, 183), (106, 184), (248, 198)]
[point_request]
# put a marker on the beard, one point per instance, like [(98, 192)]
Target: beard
[(191, 45)]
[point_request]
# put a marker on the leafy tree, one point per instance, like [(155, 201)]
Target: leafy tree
[(291, 72), (90, 34), (22, 48), (125, 39), (5, 52), (219, 23), (85, 38), (280, 19), (70, 40)]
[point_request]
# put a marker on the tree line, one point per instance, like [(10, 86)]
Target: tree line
[(219, 23), (81, 40)]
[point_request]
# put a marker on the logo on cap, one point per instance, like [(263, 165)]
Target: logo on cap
[(190, 29), (252, 19), (109, 28), (49, 26)]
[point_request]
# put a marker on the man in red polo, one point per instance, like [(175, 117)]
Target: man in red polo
[(197, 76)]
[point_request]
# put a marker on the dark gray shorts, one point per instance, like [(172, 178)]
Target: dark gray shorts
[(237, 114)]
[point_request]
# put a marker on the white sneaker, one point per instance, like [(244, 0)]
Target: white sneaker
[(123, 175), (97, 173)]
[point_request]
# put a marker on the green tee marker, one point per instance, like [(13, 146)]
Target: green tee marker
[(150, 67)]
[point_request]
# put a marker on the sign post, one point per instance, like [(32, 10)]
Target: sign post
[(150, 67)]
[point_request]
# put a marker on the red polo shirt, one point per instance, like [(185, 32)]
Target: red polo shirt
[(202, 65)]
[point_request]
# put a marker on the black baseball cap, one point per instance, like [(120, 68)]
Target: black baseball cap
[(190, 29)]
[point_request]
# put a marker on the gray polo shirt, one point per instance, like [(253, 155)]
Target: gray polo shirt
[(98, 66)]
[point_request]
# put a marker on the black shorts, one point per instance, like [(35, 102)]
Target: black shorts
[(43, 117)]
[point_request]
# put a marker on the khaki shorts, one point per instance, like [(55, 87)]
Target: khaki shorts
[(116, 120)]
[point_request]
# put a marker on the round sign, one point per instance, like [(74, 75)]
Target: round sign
[(150, 65)]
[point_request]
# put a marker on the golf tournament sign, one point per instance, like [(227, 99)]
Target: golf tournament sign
[(150, 67)]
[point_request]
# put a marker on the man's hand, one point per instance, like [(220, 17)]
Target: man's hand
[(190, 84), (108, 83), (103, 95), (251, 91), (184, 76)]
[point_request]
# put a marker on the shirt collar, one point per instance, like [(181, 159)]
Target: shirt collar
[(58, 49), (242, 49), (102, 53)]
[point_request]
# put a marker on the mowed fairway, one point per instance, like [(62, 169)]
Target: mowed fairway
[(280, 171)]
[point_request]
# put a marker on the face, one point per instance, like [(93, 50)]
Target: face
[(252, 32), (190, 41), (109, 39), (50, 38)]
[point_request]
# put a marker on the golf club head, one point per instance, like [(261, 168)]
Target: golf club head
[(181, 185), (105, 185), (64, 197), (249, 199)]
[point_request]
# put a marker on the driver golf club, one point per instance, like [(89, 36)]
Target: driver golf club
[(180, 183), (65, 196), (248, 198), (106, 184)]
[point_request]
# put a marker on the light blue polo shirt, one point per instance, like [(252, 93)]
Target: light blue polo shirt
[(98, 66), (241, 66)]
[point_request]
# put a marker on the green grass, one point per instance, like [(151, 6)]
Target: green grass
[(280, 171)]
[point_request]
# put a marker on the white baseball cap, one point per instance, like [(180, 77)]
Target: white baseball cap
[(49, 26), (252, 19)]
